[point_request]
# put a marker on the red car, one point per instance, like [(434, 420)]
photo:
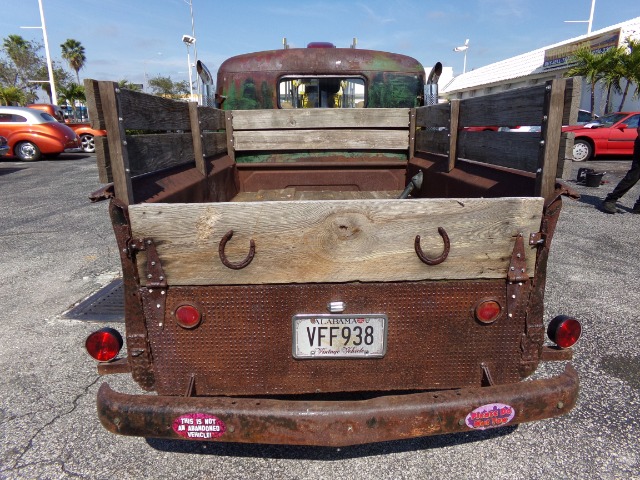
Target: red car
[(611, 134), (32, 134)]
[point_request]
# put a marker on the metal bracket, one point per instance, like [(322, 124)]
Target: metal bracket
[(517, 275), (156, 283)]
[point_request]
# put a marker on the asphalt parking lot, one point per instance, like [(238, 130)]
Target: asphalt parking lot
[(57, 248)]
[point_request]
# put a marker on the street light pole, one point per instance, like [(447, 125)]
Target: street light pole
[(188, 41), (589, 22), (464, 49), (43, 27), (195, 48)]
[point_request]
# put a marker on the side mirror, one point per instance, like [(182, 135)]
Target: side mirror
[(622, 126)]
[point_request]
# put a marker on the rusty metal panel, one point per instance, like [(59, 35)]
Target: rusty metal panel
[(243, 345)]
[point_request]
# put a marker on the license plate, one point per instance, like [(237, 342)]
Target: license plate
[(339, 336)]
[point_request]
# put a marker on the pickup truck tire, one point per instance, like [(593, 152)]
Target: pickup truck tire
[(27, 152), (582, 150), (87, 143)]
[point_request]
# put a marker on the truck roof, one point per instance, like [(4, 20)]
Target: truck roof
[(321, 61)]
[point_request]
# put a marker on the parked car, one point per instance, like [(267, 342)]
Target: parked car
[(87, 135), (4, 146), (53, 110), (611, 134), (83, 129), (33, 133)]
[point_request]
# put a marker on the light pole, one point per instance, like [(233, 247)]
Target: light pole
[(195, 48), (590, 21), (188, 40), (43, 27), (464, 49)]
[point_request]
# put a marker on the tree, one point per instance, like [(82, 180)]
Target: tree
[(590, 65), (612, 74), (20, 66), (73, 53), (124, 83), (61, 77), (70, 94), (165, 87), (630, 66), (12, 96)]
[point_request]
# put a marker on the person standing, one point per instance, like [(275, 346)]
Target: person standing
[(627, 183)]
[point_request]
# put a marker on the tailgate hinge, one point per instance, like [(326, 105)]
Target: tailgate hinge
[(517, 277), (154, 299)]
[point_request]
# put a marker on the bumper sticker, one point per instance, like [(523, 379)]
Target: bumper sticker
[(199, 426), (490, 416)]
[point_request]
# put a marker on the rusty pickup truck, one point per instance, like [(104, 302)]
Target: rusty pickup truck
[(325, 260)]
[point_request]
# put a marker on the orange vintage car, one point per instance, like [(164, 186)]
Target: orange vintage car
[(32, 134), (83, 129)]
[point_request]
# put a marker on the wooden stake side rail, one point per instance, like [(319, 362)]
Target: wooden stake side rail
[(336, 240), (147, 133), (443, 129)]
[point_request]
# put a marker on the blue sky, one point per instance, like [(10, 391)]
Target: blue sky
[(124, 39)]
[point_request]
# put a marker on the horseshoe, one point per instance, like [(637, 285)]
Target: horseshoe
[(225, 260), (443, 256)]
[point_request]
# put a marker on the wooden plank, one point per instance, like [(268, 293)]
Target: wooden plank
[(102, 159), (211, 118), (572, 97), (412, 133), (320, 118), (517, 150), (520, 106), (148, 153), (336, 240), (196, 138), (453, 138), (434, 116), (228, 121), (432, 141), (254, 140), (565, 156), (118, 155), (214, 143), (94, 104), (551, 132), (141, 111)]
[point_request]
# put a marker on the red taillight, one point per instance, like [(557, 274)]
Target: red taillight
[(564, 331), (188, 316), (488, 311), (104, 345)]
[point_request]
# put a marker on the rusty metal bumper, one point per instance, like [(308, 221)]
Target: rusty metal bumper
[(337, 423)]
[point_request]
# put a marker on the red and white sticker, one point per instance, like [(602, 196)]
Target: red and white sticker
[(199, 426), (490, 416)]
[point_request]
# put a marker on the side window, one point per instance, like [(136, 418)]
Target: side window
[(632, 122), (12, 118)]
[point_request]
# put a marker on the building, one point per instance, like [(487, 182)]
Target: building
[(543, 64)]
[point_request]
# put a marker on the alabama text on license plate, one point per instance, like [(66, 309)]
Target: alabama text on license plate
[(339, 336)]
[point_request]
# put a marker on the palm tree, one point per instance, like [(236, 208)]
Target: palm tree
[(11, 96), (630, 66), (613, 74), (72, 93), (73, 52), (591, 66)]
